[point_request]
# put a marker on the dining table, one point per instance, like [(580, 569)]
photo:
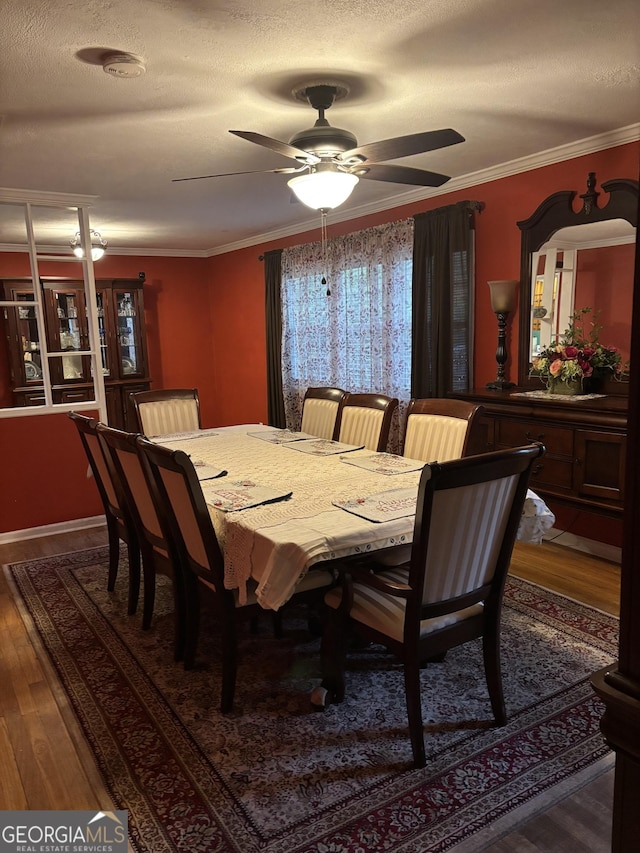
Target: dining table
[(283, 503)]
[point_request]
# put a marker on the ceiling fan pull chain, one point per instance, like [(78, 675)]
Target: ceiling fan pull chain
[(323, 237)]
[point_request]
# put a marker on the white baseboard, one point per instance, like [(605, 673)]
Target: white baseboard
[(580, 543), (51, 529)]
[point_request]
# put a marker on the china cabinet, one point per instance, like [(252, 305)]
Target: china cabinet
[(123, 346)]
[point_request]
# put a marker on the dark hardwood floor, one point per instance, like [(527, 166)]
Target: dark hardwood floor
[(46, 764)]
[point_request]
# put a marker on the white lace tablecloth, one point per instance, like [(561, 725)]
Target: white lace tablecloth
[(276, 543)]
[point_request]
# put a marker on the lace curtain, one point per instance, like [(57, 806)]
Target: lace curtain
[(354, 331)]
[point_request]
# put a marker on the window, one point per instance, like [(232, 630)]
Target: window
[(354, 330)]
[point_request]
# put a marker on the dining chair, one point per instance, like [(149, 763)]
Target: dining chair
[(450, 592), (437, 429), (175, 487), (320, 410), (158, 555), (366, 419), (167, 410), (120, 525)]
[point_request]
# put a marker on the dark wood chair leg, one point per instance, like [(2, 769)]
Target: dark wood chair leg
[(493, 673), (133, 553), (333, 656), (114, 553), (191, 604), (229, 663), (414, 710), (149, 595)]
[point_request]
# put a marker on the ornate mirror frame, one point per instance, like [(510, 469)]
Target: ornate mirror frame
[(554, 213)]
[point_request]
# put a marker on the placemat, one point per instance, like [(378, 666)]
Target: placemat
[(240, 494), (322, 446), (280, 436), (207, 472), (182, 436), (385, 506), (384, 463)]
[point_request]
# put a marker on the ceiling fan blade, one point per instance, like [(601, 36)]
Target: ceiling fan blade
[(289, 171), (403, 175), (403, 146), (275, 145)]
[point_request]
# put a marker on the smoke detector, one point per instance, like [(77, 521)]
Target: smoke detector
[(123, 65)]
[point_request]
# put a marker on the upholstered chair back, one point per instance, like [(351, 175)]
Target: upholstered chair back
[(320, 411), (366, 420), (166, 411)]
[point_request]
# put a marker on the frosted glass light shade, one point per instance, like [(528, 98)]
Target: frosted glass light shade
[(98, 246), (503, 295), (323, 190)]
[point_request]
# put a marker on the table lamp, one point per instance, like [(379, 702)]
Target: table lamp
[(503, 301)]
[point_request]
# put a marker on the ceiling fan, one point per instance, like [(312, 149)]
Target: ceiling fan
[(331, 161)]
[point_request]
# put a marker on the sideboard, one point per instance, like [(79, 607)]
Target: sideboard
[(585, 441)]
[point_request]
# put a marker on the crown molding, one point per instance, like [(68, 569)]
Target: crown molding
[(10, 195), (590, 145)]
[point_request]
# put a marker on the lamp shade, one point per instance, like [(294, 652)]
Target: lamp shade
[(503, 295), (323, 190)]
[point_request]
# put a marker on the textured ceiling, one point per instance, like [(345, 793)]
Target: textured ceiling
[(514, 77)]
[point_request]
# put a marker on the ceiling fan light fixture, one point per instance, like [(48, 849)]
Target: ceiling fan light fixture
[(98, 245), (323, 190)]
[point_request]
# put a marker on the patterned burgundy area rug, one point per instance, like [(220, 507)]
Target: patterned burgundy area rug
[(274, 776)]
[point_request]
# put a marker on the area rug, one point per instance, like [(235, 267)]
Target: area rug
[(276, 777)]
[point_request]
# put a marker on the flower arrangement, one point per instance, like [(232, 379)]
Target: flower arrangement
[(578, 355)]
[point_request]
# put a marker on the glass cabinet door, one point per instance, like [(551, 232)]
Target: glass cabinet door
[(70, 335), (29, 339), (129, 333)]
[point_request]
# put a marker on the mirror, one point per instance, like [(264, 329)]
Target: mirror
[(572, 260)]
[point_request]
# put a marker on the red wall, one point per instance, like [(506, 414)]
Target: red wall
[(205, 323)]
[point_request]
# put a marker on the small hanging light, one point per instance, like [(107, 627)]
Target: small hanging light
[(98, 245)]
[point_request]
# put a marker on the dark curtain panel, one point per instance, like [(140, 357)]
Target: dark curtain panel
[(442, 300), (273, 311)]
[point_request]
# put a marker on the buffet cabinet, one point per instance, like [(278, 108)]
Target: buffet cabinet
[(585, 443), (123, 345)]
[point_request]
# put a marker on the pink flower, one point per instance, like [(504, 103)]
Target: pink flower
[(555, 367)]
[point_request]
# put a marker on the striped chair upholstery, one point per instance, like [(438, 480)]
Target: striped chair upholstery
[(167, 410), (320, 411), (438, 430), (451, 590), (366, 420)]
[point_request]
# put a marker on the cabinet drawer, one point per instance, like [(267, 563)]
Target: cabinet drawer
[(555, 473), (74, 395), (514, 433)]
